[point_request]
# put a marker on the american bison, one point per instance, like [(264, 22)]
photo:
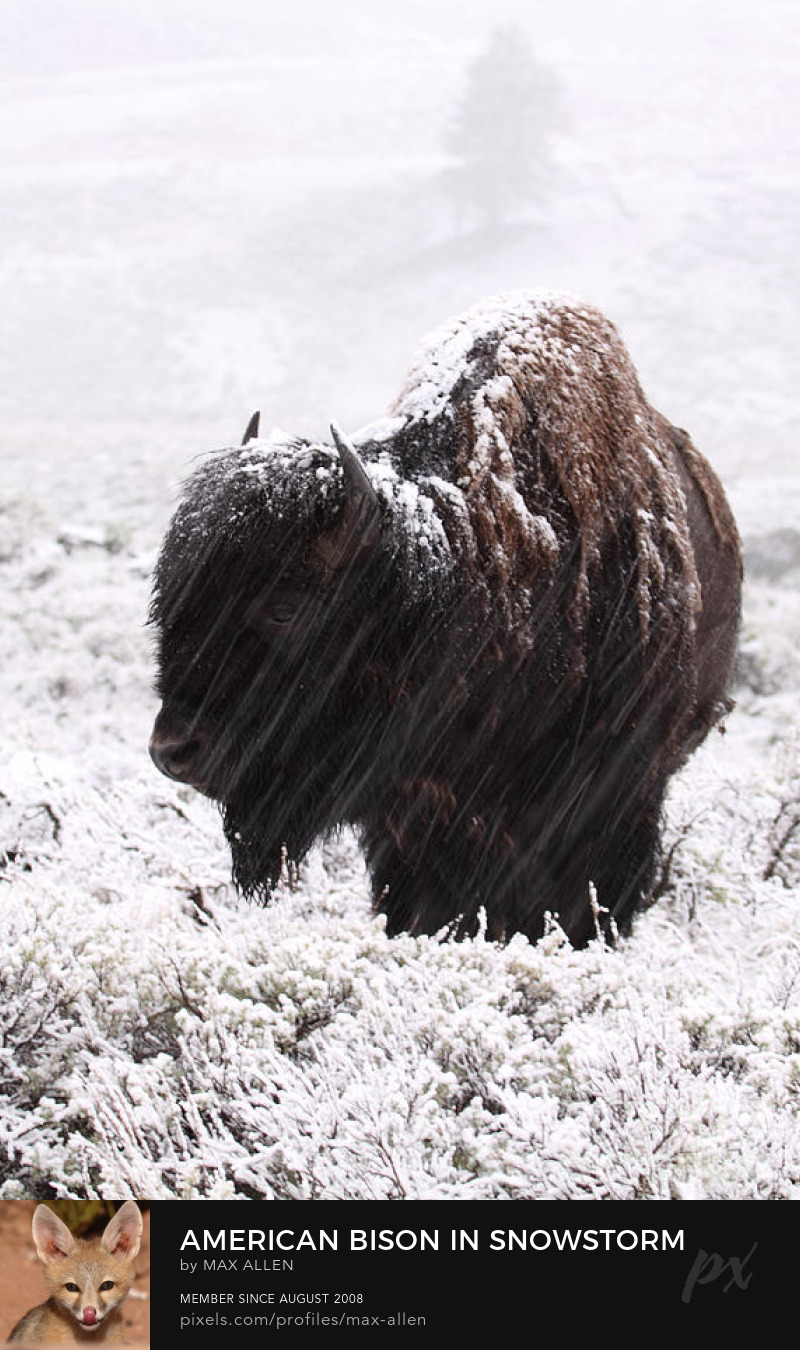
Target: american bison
[(484, 631)]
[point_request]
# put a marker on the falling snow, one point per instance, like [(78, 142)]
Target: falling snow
[(160, 1037)]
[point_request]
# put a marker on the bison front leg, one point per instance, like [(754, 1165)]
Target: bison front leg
[(427, 888), (429, 876), (610, 843)]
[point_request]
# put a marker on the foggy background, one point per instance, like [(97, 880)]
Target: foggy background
[(209, 207)]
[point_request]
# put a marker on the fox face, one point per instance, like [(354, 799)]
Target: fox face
[(88, 1278)]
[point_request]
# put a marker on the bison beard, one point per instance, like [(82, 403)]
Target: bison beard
[(485, 635)]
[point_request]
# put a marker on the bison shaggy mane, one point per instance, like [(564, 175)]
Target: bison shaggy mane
[(484, 632)]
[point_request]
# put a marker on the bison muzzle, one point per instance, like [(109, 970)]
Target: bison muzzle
[(484, 632)]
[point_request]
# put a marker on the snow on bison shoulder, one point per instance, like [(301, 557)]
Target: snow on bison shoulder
[(484, 631)]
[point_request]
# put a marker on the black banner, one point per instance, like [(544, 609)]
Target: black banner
[(241, 1273)]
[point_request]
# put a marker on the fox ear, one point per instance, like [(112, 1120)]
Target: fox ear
[(53, 1239), (124, 1233)]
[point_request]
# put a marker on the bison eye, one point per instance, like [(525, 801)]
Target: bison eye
[(276, 610), (282, 612)]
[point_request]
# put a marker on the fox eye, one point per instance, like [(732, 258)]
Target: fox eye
[(107, 1284), (73, 1288)]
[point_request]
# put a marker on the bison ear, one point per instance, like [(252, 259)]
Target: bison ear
[(251, 430), (358, 529)]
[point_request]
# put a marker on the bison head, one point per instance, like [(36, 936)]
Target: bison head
[(266, 608)]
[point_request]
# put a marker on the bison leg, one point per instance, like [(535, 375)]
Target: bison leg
[(610, 841), (442, 881), (426, 880), (434, 882), (621, 866)]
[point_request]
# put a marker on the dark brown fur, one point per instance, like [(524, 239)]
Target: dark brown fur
[(488, 652)]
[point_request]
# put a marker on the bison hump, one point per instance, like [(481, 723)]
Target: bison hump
[(556, 450)]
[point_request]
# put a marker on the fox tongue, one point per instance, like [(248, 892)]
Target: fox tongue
[(89, 1317)]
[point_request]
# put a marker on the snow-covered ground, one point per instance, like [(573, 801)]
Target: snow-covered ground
[(261, 221)]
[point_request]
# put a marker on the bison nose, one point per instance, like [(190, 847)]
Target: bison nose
[(178, 757)]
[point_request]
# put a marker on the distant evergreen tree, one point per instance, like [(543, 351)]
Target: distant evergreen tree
[(502, 135)]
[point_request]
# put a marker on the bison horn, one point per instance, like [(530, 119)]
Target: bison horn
[(358, 528), (251, 430)]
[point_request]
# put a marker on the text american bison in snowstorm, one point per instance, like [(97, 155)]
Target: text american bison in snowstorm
[(484, 632)]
